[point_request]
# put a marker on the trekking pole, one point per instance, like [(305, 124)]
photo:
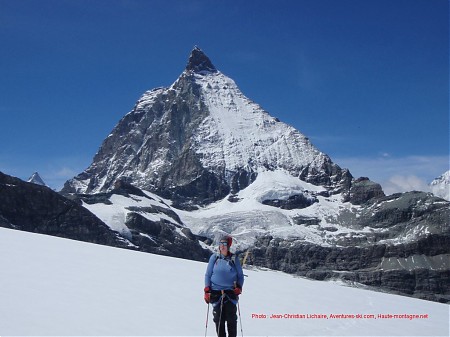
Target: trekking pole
[(240, 320), (207, 315), (239, 309)]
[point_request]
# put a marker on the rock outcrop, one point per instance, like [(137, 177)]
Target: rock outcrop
[(35, 208), (410, 256), (146, 222)]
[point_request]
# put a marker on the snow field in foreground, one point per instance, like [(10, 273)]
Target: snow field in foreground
[(52, 286)]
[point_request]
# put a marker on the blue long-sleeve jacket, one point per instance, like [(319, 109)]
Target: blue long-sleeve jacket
[(223, 272)]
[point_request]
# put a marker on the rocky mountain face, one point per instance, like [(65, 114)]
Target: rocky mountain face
[(145, 220), (35, 208), (405, 249), (201, 140), (205, 157)]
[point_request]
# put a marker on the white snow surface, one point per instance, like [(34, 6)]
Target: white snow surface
[(441, 186), (57, 287), (248, 218), (238, 132), (115, 214), (245, 219)]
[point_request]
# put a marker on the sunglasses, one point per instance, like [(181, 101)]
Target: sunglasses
[(223, 243)]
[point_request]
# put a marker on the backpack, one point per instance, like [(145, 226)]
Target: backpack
[(232, 259)]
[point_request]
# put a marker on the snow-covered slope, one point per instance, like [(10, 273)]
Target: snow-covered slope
[(238, 132), (115, 211), (146, 221), (246, 218), (441, 186), (57, 287)]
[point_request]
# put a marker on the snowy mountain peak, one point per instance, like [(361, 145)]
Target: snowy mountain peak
[(198, 62), (441, 186), (202, 139), (36, 179)]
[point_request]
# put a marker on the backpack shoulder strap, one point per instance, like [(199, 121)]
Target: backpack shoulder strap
[(233, 259), (217, 257)]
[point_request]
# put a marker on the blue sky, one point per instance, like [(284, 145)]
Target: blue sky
[(366, 81)]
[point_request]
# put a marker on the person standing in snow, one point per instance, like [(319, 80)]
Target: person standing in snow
[(224, 279)]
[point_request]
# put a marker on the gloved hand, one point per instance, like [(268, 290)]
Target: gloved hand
[(207, 296), (237, 290)]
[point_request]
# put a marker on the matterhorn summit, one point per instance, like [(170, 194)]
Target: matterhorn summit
[(200, 140), (199, 62)]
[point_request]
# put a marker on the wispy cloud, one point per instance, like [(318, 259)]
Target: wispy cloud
[(397, 174), (399, 183), (309, 75), (66, 172)]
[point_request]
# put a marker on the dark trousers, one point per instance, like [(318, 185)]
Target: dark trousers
[(225, 313)]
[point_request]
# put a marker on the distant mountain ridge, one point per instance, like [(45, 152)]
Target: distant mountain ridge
[(36, 179)]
